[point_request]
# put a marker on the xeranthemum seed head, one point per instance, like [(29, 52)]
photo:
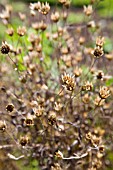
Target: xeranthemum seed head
[(68, 82), (104, 92), (5, 48)]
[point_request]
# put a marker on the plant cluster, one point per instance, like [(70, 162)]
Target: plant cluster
[(56, 89)]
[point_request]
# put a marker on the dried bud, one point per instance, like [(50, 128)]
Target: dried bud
[(5, 48)]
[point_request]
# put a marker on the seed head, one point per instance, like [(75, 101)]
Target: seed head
[(104, 92), (98, 52), (21, 31), (68, 82), (24, 140), (100, 41), (87, 86), (59, 154), (88, 10), (5, 48), (10, 107)]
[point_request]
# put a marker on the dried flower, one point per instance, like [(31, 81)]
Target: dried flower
[(68, 82), (5, 48), (104, 92)]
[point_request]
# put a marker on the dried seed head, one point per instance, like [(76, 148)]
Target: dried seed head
[(2, 125), (86, 98), (38, 111), (100, 41), (5, 48), (57, 106), (98, 52), (88, 10), (42, 25), (98, 101), (81, 40), (68, 82), (52, 118), (89, 136), (10, 31), (45, 8), (55, 17), (56, 166), (104, 92), (99, 75), (29, 120), (77, 72), (101, 148), (22, 16), (24, 140), (95, 140), (10, 107), (21, 31), (87, 86), (59, 154)]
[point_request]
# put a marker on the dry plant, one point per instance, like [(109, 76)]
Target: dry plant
[(56, 93)]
